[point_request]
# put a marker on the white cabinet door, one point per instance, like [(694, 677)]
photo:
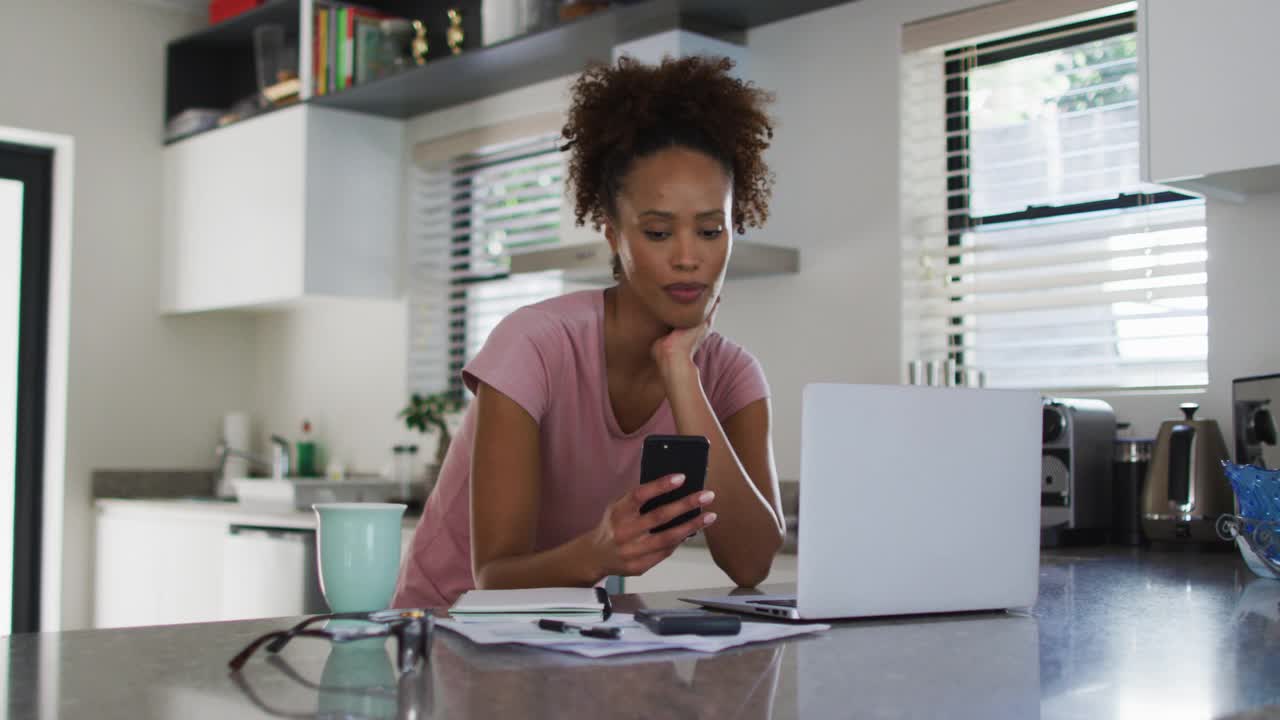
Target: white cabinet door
[(190, 569), (1211, 107), (264, 572), (155, 569), (126, 591), (691, 568), (234, 212), (301, 201)]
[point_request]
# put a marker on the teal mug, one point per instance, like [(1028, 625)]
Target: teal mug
[(359, 554)]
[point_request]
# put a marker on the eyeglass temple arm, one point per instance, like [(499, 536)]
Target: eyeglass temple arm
[(279, 636), (243, 656), (278, 644)]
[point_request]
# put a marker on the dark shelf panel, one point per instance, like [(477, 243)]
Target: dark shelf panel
[(214, 67), (744, 14), (559, 51), (238, 31)]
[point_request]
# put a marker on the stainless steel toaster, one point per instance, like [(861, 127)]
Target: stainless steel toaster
[(1075, 471)]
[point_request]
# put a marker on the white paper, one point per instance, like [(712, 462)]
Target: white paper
[(636, 638), (552, 600)]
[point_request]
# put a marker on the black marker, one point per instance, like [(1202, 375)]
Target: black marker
[(604, 633)]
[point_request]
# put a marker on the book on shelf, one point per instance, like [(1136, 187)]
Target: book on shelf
[(350, 46), (320, 50)]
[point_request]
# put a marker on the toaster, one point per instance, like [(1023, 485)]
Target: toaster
[(1075, 471)]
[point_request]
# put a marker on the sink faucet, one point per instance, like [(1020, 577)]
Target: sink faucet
[(279, 458), (279, 463)]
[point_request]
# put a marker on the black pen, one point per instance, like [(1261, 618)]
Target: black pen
[(604, 633)]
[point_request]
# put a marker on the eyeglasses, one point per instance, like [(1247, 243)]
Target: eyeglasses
[(411, 629)]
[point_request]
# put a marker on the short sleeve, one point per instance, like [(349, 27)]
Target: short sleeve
[(519, 359), (736, 377)]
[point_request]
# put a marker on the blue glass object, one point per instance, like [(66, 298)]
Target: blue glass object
[(1258, 494)]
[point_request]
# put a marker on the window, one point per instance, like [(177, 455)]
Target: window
[(470, 210), (1033, 253)]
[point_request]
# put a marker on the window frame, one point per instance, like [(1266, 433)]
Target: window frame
[(962, 61), (462, 258), (452, 267)]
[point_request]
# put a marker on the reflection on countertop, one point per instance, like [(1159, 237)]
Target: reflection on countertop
[(1116, 632)]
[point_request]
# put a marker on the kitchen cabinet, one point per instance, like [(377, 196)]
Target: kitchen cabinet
[(173, 561), (155, 569), (176, 561), (269, 572), (303, 201), (691, 567), (1209, 105)]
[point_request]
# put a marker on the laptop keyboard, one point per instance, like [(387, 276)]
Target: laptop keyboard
[(778, 603)]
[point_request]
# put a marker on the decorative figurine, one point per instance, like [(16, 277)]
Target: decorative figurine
[(419, 42), (455, 36)]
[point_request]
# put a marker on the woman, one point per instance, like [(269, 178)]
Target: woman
[(541, 486)]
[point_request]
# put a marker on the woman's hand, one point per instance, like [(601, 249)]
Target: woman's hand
[(678, 346), (622, 543)]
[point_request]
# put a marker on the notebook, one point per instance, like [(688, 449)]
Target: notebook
[(533, 601)]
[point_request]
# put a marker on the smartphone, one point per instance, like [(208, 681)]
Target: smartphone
[(688, 622), (668, 454)]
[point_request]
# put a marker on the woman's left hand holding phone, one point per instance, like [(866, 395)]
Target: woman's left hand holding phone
[(622, 543)]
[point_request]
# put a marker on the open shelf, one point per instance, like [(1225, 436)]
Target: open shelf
[(238, 30), (562, 50), (218, 62), (214, 68), (515, 63)]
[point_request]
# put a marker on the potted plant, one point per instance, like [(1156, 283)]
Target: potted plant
[(429, 411)]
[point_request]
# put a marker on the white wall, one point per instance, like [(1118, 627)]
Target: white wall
[(835, 154), (1244, 263), (341, 364), (143, 391)]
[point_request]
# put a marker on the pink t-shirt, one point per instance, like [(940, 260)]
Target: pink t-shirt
[(549, 359)]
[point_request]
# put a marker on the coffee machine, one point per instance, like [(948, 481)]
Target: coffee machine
[(1075, 471)]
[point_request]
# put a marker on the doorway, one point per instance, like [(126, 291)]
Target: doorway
[(26, 177)]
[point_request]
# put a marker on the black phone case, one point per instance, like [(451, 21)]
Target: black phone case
[(667, 454), (688, 622)]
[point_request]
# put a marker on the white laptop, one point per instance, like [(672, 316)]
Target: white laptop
[(913, 500)]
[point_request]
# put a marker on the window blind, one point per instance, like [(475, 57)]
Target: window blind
[(468, 213), (1032, 252)]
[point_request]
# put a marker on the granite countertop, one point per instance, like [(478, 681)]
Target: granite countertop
[(1116, 632)]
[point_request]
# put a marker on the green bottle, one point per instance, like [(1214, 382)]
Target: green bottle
[(306, 452)]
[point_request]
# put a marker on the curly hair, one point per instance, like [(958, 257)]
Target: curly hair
[(630, 110)]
